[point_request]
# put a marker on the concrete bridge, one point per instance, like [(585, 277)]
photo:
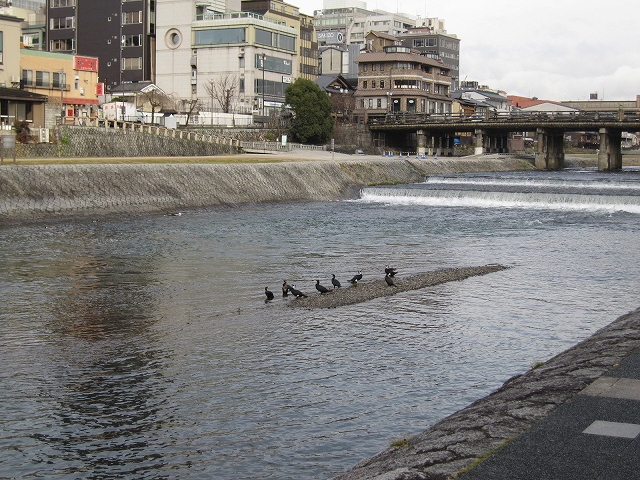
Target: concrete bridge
[(434, 133)]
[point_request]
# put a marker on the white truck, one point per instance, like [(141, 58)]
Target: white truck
[(123, 111)]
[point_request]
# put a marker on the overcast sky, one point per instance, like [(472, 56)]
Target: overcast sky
[(550, 49)]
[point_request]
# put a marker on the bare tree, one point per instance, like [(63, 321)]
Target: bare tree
[(223, 91), (342, 105), (189, 107), (157, 100)]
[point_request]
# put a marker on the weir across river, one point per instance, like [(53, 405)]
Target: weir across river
[(435, 133)]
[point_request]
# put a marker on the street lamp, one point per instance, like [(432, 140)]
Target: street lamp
[(264, 58)]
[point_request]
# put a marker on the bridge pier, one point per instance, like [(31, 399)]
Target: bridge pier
[(451, 141), (550, 152), (610, 153), (422, 143), (480, 140)]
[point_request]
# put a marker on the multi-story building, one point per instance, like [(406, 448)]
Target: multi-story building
[(256, 55), (33, 21), (69, 82), (10, 50), (35, 5), (121, 33), (395, 80), (305, 24), (15, 104), (309, 68), (431, 39), (352, 24)]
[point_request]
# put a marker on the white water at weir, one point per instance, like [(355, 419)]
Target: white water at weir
[(591, 193)]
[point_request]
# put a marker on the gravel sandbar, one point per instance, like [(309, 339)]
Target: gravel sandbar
[(361, 292)]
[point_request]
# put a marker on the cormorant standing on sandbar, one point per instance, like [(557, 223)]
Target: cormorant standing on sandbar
[(356, 278), (297, 293), (268, 293), (322, 289), (390, 271), (389, 280), (335, 281), (285, 288)]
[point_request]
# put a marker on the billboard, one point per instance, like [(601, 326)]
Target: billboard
[(331, 38)]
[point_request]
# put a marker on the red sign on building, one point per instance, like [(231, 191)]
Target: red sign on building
[(87, 64), (99, 89)]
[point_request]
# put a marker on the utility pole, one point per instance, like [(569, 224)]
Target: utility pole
[(62, 84)]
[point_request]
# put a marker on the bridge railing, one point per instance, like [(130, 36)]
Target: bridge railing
[(506, 117), (278, 147)]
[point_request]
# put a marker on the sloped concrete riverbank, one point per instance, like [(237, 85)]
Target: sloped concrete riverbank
[(456, 443), (31, 192)]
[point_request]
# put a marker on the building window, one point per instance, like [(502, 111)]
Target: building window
[(63, 23), (365, 67), (131, 17), (173, 38), (364, 84), (132, 40), (371, 103), (62, 45), (220, 36), (59, 80), (27, 78), (379, 103), (373, 84), (273, 64), (43, 79), (381, 83), (76, 82), (134, 63), (62, 3)]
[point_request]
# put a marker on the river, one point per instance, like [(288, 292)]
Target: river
[(141, 346)]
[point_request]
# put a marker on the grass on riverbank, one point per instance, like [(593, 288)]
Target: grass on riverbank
[(247, 158), (224, 159)]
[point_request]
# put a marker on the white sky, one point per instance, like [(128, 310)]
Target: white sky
[(550, 49)]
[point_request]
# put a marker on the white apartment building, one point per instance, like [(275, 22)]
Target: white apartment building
[(354, 23), (198, 44)]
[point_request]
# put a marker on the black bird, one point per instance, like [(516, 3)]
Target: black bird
[(389, 280), (356, 278), (297, 293), (335, 281), (320, 288), (268, 293), (390, 271), (285, 288)]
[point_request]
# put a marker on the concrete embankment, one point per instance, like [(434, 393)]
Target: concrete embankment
[(458, 442), (30, 192)]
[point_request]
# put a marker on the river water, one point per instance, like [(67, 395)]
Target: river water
[(142, 347)]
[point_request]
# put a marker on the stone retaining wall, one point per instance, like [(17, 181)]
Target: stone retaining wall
[(29, 192), (83, 141)]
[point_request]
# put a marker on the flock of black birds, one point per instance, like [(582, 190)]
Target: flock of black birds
[(287, 289)]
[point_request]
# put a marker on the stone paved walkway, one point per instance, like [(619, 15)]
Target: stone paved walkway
[(576, 416)]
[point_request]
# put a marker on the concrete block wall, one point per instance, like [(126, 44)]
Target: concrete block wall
[(83, 141)]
